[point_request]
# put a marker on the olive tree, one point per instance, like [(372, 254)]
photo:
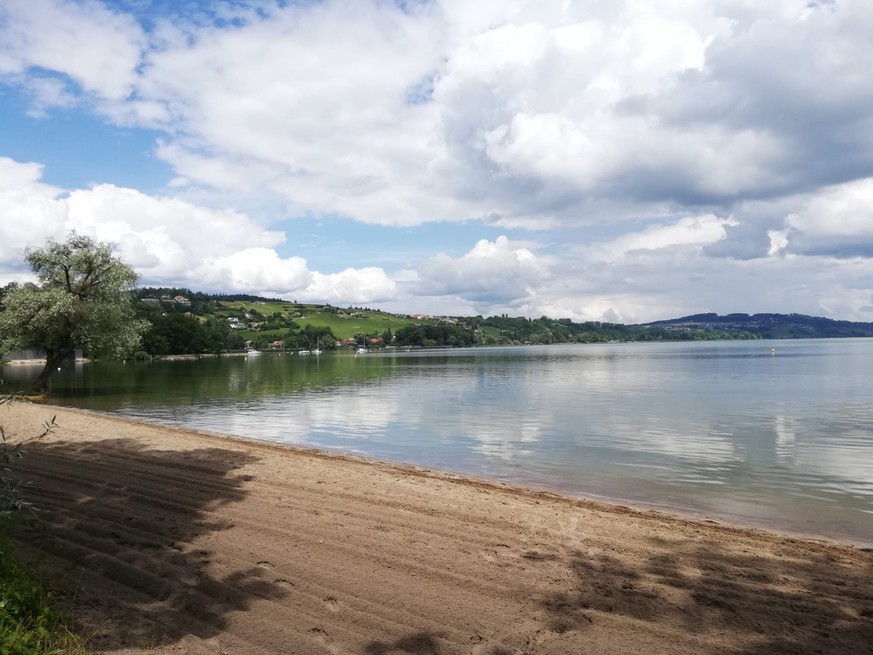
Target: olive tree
[(81, 298)]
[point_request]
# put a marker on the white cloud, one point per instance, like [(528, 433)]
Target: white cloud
[(49, 93), (23, 176), (30, 213), (492, 272), (168, 241), (315, 104), (652, 285), (163, 237), (364, 285), (97, 48), (330, 102), (838, 221), (690, 231), (517, 113), (251, 269), (778, 241), (657, 272), (680, 163)]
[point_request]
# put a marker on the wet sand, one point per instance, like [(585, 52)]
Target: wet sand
[(174, 541)]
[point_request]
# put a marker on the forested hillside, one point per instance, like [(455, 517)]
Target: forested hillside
[(770, 326), (193, 322), (183, 321)]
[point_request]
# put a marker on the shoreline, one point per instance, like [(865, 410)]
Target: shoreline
[(590, 501), (197, 542), (735, 522)]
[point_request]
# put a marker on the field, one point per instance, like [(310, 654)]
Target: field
[(345, 323)]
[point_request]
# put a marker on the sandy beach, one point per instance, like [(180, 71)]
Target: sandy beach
[(173, 541)]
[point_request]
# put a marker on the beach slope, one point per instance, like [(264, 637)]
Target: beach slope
[(173, 541)]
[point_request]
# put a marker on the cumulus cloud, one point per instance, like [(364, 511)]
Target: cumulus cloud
[(517, 114), (492, 273), (398, 114), (365, 285), (651, 285), (30, 211), (162, 235), (690, 231), (324, 103), (168, 241), (96, 48), (672, 155), (836, 222), (660, 272), (255, 268)]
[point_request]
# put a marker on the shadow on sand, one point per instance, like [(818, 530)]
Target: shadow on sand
[(121, 525), (801, 603), (420, 643)]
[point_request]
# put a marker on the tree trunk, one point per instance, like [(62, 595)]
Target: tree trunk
[(53, 361)]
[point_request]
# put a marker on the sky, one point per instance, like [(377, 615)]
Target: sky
[(625, 161)]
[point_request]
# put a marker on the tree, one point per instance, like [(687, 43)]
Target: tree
[(82, 298)]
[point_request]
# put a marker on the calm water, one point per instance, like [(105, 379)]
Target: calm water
[(723, 430)]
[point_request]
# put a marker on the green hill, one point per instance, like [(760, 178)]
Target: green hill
[(192, 322), (770, 326)]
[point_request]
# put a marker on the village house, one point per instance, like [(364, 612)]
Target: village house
[(179, 300)]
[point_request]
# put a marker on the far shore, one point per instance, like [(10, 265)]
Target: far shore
[(177, 541), (37, 362)]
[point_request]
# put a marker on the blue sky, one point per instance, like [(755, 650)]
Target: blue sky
[(624, 161)]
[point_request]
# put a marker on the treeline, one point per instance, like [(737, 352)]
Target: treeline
[(544, 330), (772, 326), (505, 330), (182, 334), (431, 336)]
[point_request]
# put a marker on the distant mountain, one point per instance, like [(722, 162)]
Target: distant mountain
[(769, 326)]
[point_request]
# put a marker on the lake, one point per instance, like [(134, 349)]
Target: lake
[(722, 430)]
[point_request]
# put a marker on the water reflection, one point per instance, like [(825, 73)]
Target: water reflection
[(722, 429)]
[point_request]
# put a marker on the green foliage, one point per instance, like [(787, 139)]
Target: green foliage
[(769, 326), (178, 334), (504, 329), (435, 336), (82, 298), (293, 323), (30, 623), (297, 325), (317, 337)]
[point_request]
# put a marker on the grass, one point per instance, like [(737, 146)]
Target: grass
[(344, 325), (30, 621)]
